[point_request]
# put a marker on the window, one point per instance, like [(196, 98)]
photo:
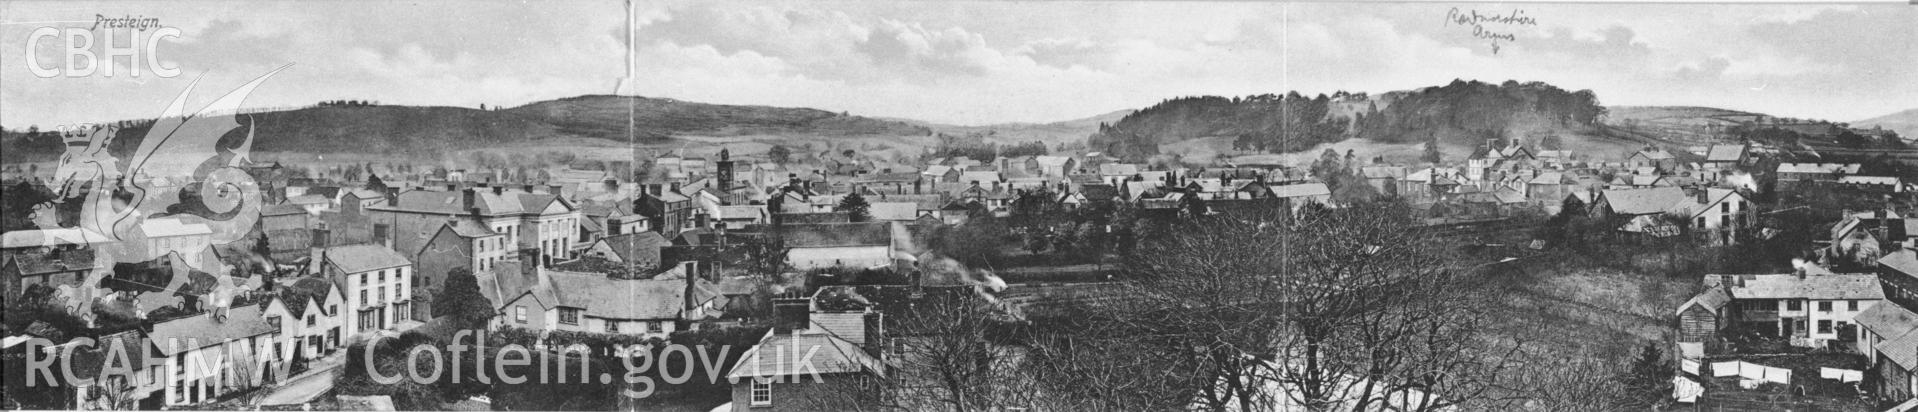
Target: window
[(273, 321), (1725, 207), (569, 316), (382, 276), (1824, 306), (363, 277), (310, 319), (655, 327), (1701, 222), (362, 297), (519, 314), (1824, 326), (1851, 305), (612, 326), (762, 393), (1793, 305), (403, 311)]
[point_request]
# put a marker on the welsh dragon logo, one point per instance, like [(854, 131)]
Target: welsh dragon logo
[(180, 172)]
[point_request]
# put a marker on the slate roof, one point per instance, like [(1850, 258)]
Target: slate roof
[(299, 292), (1301, 189), (1790, 286), (1847, 168), (771, 357), (506, 281), (936, 170), (193, 332), (636, 247), (1052, 161), (1643, 201), (472, 229), (1725, 153), (35, 262), (1887, 319), (1711, 299), (1903, 260), (1902, 349), (365, 258), (638, 299), (50, 237), (984, 177)]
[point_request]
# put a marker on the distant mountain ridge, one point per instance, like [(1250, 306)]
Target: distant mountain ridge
[(421, 130), (1904, 122)]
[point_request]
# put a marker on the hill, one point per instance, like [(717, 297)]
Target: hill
[(1462, 113), (418, 130), (1905, 123), (1683, 115), (660, 118), (1051, 134)]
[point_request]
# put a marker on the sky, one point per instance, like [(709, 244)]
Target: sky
[(973, 62)]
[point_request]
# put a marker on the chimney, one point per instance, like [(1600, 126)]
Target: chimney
[(499, 190), (791, 314), (529, 258), (1703, 197), (553, 189), (995, 186), (452, 187), (392, 197), (468, 201), (675, 187), (528, 188), (917, 184), (318, 238)]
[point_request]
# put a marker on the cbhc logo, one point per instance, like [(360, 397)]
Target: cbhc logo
[(81, 61)]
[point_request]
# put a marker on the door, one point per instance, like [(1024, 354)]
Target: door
[(1785, 327)]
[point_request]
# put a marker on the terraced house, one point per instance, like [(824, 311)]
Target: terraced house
[(528, 218)]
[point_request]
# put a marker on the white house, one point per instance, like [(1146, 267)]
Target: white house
[(215, 353), (166, 234), (377, 283), (1814, 307)]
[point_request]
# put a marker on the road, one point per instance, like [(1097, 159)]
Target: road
[(300, 390)]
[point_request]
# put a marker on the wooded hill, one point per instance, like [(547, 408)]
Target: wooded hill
[(1461, 113)]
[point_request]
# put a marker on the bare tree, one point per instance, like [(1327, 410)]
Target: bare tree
[(1351, 308), (943, 360)]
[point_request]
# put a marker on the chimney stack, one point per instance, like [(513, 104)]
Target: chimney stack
[(499, 190), (392, 197), (468, 201), (791, 313)]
